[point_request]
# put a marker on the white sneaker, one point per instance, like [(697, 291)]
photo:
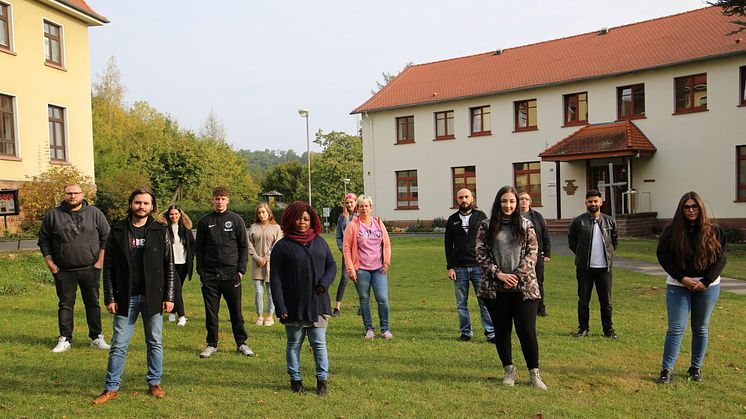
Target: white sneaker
[(509, 377), (259, 321), (245, 350), (370, 334), (100, 343), (387, 335), (182, 321), (269, 321), (208, 351), (172, 317), (62, 345)]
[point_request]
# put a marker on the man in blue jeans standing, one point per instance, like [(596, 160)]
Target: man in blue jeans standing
[(138, 280), (460, 240)]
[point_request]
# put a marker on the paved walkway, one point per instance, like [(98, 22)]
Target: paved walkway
[(559, 247)]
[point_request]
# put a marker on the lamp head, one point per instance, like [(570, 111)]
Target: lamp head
[(303, 113)]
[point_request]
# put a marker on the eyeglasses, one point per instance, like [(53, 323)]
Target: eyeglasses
[(692, 207)]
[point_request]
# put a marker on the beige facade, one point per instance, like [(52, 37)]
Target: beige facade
[(33, 80), (695, 151)]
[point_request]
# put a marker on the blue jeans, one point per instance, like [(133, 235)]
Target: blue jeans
[(464, 276), (120, 342), (379, 281), (259, 286), (679, 302), (317, 339)]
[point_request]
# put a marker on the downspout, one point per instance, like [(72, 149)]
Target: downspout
[(367, 171), (557, 188)]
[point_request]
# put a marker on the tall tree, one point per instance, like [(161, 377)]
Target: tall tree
[(213, 128), (387, 77), (287, 178), (342, 158)]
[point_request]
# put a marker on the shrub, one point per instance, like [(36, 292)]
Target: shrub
[(46, 191), (439, 222), (732, 234)]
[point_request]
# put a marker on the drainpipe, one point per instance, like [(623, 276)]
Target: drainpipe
[(557, 188)]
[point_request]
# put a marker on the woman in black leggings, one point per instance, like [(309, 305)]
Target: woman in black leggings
[(506, 251)]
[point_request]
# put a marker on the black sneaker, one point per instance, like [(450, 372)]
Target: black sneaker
[(694, 374), (464, 338), (321, 387), (611, 334), (297, 386), (666, 376), (581, 333), (335, 312), (492, 340)]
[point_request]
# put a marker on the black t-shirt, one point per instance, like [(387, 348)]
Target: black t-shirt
[(137, 249)]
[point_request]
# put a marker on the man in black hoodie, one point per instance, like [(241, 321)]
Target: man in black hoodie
[(222, 250), (72, 239)]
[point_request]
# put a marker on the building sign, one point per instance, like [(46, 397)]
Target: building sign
[(9, 202)]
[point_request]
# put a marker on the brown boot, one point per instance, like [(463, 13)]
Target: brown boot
[(156, 391), (106, 396)]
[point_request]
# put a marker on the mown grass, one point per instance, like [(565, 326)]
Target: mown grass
[(644, 249), (423, 372)]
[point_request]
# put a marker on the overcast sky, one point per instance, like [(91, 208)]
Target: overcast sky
[(255, 63)]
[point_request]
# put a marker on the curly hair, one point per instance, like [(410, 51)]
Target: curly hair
[(707, 248), (295, 211), (266, 207)]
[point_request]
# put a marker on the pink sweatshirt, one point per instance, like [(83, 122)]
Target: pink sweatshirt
[(349, 244)]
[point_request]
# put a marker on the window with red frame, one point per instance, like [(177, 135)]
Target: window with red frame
[(741, 167), (4, 26), (525, 115), (7, 131), (630, 102), (464, 177), (743, 86), (691, 93), (527, 178), (57, 133), (480, 120), (406, 190), (53, 43), (444, 125), (405, 129), (576, 108)]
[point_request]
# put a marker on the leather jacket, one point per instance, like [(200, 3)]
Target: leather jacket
[(158, 267), (580, 235)]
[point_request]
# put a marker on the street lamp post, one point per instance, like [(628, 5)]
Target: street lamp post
[(304, 114), (346, 182)]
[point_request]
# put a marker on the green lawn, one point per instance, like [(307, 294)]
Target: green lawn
[(424, 372), (644, 249)]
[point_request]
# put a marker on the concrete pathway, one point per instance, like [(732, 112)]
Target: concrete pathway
[(559, 247)]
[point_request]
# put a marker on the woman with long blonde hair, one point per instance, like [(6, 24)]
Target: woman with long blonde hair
[(263, 234)]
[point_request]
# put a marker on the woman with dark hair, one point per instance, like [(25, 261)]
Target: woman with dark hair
[(506, 251), (367, 253), (182, 243), (301, 269), (692, 250), (349, 211), (263, 234)]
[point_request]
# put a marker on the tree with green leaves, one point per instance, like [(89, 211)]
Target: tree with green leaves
[(342, 158), (288, 179)]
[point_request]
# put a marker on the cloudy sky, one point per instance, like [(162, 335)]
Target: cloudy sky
[(255, 63)]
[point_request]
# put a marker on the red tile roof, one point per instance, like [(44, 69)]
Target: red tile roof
[(614, 139), (690, 36), (83, 7)]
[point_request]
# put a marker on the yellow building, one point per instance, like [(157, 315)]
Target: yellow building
[(45, 89)]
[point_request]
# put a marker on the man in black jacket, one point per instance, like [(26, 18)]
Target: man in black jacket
[(542, 237), (593, 238), (138, 279), (72, 239), (222, 250), (461, 262)]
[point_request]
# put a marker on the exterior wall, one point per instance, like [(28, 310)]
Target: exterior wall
[(36, 85), (695, 151)]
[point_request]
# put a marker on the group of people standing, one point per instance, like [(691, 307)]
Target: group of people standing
[(145, 264)]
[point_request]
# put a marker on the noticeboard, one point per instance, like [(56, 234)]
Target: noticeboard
[(9, 202)]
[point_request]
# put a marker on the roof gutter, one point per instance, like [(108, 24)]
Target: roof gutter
[(553, 84), (87, 16)]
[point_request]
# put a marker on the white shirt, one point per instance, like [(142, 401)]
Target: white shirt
[(178, 246), (465, 221), (598, 251)]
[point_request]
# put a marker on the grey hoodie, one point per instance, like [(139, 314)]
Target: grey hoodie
[(73, 238)]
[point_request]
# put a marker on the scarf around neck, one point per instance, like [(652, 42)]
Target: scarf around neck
[(302, 238)]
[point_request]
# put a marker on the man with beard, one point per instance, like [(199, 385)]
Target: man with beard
[(222, 249), (542, 237), (138, 279), (461, 260), (72, 239), (593, 238)]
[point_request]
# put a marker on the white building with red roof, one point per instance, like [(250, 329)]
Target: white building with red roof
[(655, 108)]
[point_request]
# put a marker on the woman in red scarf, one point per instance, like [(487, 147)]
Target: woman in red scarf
[(301, 269)]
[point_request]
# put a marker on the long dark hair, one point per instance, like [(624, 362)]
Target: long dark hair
[(516, 225), (707, 249)]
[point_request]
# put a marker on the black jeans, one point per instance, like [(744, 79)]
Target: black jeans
[(181, 270), (67, 283), (213, 287), (507, 308), (342, 283), (540, 278), (601, 277)]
